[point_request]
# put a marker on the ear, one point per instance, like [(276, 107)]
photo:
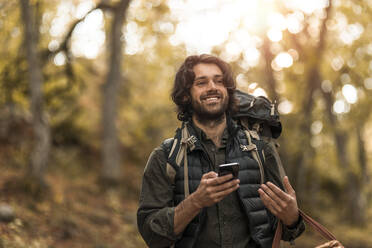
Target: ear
[(186, 98)]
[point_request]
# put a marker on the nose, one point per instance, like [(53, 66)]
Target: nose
[(211, 84)]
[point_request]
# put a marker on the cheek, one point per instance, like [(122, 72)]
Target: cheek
[(224, 91), (194, 94)]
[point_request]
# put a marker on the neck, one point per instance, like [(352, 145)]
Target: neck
[(212, 128)]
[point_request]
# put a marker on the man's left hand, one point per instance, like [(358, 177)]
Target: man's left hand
[(282, 204)]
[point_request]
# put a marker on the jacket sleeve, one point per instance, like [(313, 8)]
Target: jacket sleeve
[(155, 215), (272, 174)]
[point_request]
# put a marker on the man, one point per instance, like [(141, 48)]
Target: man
[(183, 202)]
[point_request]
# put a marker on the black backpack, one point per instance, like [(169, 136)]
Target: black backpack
[(258, 113), (260, 119)]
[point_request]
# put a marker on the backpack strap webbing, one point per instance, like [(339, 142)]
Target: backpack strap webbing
[(187, 141), (274, 151), (254, 151), (184, 139)]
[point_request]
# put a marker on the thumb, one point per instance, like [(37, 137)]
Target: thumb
[(210, 174), (287, 186)]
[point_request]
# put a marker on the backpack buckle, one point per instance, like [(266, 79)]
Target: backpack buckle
[(248, 148), (190, 142)]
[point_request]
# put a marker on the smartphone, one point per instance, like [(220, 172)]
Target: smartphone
[(231, 168)]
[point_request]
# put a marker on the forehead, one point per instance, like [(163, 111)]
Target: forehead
[(206, 70)]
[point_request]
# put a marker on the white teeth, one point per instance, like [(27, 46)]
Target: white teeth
[(211, 99)]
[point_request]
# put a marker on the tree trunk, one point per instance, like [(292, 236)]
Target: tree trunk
[(313, 82), (366, 177), (111, 171), (362, 155), (355, 209), (269, 73), (39, 157), (305, 158), (364, 182)]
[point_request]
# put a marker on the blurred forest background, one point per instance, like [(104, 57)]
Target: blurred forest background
[(84, 98)]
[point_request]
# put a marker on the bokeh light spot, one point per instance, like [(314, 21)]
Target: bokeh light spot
[(350, 93), (285, 107)]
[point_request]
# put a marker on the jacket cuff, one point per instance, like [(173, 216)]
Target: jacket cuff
[(290, 233)]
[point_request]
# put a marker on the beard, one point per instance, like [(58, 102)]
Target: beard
[(210, 112)]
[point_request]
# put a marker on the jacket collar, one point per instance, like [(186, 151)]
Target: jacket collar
[(196, 134)]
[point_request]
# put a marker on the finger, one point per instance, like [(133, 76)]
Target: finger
[(337, 244), (226, 185), (222, 194), (222, 179), (274, 197), (288, 186), (210, 174), (267, 202), (323, 245), (280, 193), (333, 243)]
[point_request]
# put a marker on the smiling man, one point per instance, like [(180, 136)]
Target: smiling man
[(183, 202)]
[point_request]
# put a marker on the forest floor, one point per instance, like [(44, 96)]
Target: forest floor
[(76, 211)]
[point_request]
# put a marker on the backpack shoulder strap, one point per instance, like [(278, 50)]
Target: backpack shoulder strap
[(169, 147), (273, 144), (254, 151), (177, 152)]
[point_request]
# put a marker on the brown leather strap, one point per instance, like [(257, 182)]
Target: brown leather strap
[(316, 225), (278, 235)]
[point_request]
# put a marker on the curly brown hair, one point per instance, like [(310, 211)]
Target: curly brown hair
[(185, 78)]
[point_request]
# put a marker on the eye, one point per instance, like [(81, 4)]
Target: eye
[(200, 83), (218, 81)]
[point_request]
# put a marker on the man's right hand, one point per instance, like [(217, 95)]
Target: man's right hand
[(213, 189)]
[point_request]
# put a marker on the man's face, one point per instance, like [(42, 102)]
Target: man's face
[(209, 96)]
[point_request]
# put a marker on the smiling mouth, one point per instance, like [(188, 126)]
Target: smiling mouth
[(211, 99), (214, 96)]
